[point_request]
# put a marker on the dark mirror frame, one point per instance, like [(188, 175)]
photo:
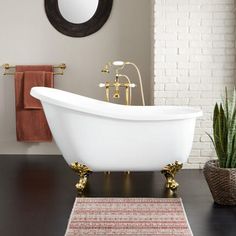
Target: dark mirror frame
[(78, 30)]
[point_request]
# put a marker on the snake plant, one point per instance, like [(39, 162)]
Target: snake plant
[(224, 131)]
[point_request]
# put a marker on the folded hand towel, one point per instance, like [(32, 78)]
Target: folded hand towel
[(32, 79), (31, 124)]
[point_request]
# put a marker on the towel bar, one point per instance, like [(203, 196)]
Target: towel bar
[(7, 67)]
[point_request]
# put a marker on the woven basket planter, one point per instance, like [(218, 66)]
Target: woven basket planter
[(222, 182)]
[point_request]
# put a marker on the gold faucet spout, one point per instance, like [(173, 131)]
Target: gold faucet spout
[(117, 89)]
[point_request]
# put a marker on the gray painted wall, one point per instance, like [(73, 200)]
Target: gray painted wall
[(27, 37)]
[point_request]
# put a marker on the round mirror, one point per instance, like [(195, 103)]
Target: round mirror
[(78, 18), (78, 11)]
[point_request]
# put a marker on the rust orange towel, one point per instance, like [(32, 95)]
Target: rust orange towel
[(31, 123), (32, 79)]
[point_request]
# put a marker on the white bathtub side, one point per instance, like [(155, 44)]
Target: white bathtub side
[(108, 144)]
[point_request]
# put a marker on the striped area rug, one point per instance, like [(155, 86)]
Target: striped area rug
[(128, 216)]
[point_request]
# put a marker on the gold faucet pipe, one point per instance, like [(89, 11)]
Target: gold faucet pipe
[(107, 92), (127, 96), (122, 85), (130, 88), (117, 85)]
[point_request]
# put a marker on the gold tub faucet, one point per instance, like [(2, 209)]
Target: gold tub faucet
[(119, 66), (117, 84)]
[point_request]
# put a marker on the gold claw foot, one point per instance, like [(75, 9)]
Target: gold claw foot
[(83, 171), (170, 171)]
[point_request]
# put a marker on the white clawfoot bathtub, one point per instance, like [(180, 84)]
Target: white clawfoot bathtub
[(111, 137)]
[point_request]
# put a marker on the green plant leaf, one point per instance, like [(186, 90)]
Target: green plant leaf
[(226, 103), (224, 131)]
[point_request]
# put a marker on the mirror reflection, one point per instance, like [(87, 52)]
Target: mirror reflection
[(78, 11)]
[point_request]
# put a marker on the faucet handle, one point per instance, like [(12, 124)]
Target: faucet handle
[(132, 85), (106, 68), (102, 85)]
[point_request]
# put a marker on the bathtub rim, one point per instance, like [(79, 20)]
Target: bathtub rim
[(111, 110)]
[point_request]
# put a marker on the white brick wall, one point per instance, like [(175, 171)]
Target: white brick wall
[(194, 59)]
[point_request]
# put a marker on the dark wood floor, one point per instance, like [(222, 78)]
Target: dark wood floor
[(37, 195)]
